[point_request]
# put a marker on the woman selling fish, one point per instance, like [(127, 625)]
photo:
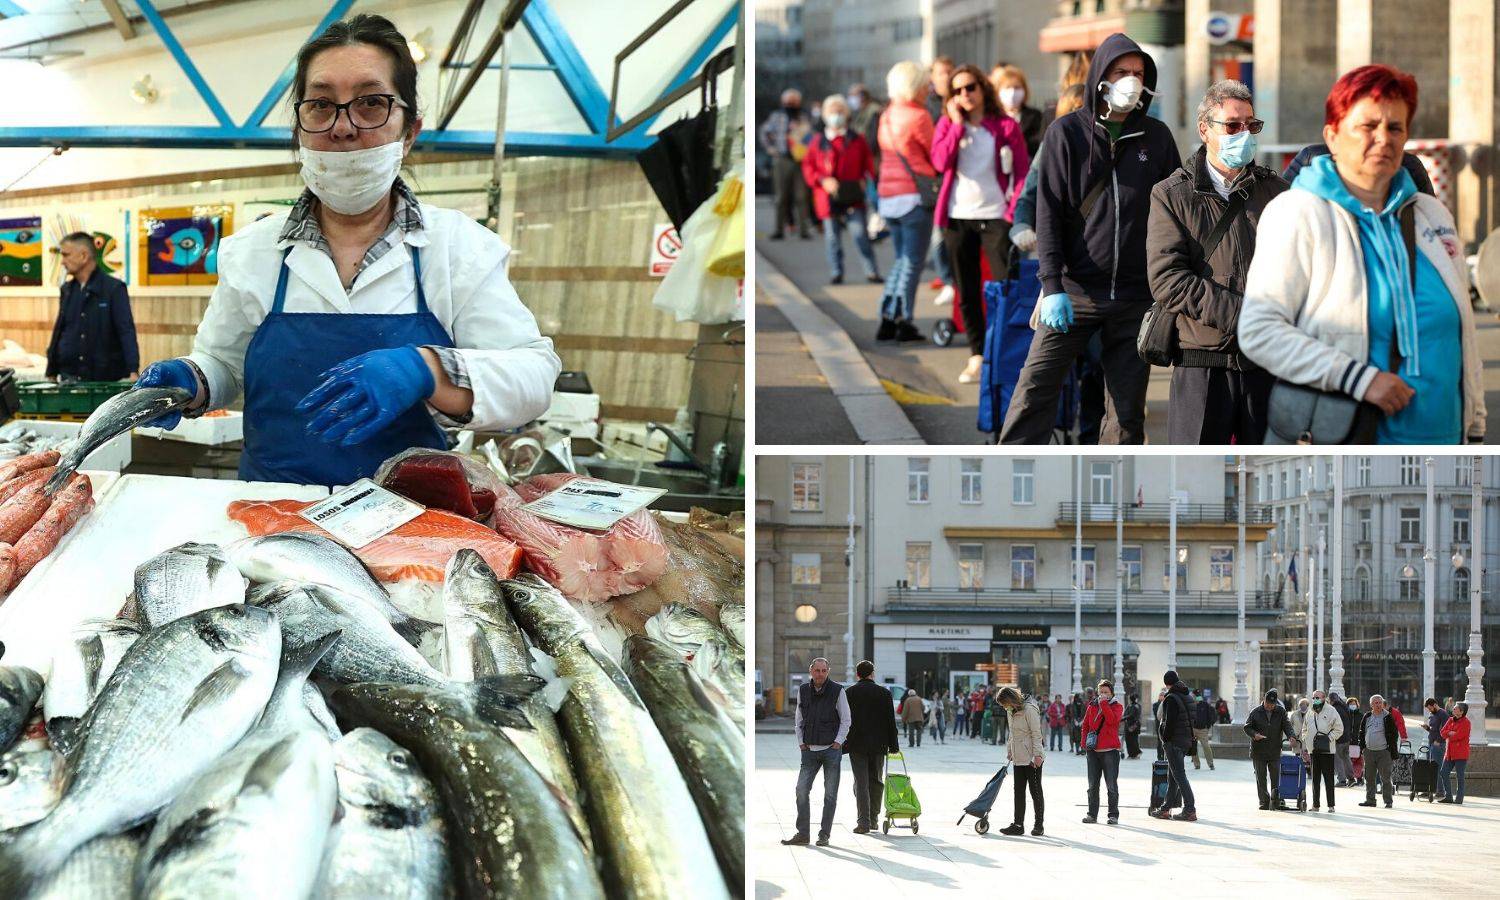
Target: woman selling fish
[(362, 321)]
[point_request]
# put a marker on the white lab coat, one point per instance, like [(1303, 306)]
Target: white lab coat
[(511, 367)]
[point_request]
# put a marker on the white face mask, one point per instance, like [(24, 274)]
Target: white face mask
[(1123, 95), (1011, 97), (351, 181)]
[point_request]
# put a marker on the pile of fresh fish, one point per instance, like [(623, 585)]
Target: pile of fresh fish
[(33, 517), (260, 721), (16, 439)]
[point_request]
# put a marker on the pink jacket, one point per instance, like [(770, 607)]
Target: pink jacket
[(1007, 133), (905, 128)]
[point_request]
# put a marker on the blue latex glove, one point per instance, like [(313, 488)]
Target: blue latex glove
[(1056, 312), (169, 373), (359, 397)]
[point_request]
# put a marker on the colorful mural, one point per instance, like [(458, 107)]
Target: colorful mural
[(104, 226), (180, 245), (21, 252)]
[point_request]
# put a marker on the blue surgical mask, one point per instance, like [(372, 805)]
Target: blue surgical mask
[(1237, 150)]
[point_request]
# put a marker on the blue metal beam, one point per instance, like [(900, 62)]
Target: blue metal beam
[(9, 9), (517, 143), (694, 63), (514, 67), (284, 81), (178, 53), (574, 74)]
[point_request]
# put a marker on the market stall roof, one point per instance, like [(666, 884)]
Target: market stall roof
[(230, 62)]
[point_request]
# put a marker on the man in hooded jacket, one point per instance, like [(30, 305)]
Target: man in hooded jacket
[(1098, 165)]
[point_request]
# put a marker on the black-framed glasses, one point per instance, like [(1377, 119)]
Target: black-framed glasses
[(1255, 125), (964, 89), (365, 112)]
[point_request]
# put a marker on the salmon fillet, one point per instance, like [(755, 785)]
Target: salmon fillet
[(418, 550)]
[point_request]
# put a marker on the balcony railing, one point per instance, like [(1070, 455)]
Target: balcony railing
[(898, 599), (1157, 513)]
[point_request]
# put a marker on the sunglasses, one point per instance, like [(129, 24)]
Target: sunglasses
[(966, 88), (1255, 125)]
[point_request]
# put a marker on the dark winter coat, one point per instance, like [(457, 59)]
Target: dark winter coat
[(1274, 725), (1175, 725), (94, 336), (1205, 293), (1104, 257), (872, 728)]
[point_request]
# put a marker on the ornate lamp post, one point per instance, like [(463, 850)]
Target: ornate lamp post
[(1474, 696), (1336, 638), (1429, 602), (1172, 571), (1119, 575), (1241, 688), (1078, 578)]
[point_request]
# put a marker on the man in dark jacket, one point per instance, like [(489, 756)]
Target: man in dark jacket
[(1437, 717), (1132, 719), (822, 726), (1378, 742), (1266, 725), (1098, 165), (1203, 729), (1343, 765), (94, 336), (1174, 731), (872, 734), (1197, 268)]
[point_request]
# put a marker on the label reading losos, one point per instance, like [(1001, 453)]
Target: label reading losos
[(591, 503), (362, 512)]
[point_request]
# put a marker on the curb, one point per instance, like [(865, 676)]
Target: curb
[(876, 418)]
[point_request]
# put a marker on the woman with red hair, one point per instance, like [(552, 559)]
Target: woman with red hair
[(1357, 299)]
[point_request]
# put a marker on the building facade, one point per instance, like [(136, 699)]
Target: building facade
[(986, 32), (857, 41), (779, 63), (1382, 571)]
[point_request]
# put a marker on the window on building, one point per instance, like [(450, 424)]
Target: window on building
[(1231, 485), (1284, 477), (1404, 636), (1087, 574), (1461, 586), (1166, 567), (1411, 525), (1463, 471), (919, 565), (1297, 480), (1460, 524), (1221, 568), (918, 472), (807, 569), (1362, 584), (807, 487), (1366, 524), (1362, 472), (1102, 482), (1411, 471), (969, 480), (1023, 567), (971, 566), (1023, 481), (1410, 589), (1130, 558)]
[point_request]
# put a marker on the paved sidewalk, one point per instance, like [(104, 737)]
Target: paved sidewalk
[(1234, 850)]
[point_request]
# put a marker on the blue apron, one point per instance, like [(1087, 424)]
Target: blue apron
[(285, 360)]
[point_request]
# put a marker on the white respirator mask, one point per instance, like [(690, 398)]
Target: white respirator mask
[(1123, 95), (351, 181)]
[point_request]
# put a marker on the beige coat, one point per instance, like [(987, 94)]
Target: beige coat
[(1326, 721), (1025, 741)]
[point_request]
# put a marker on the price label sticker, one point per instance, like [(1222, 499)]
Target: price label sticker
[(361, 513), (592, 504)]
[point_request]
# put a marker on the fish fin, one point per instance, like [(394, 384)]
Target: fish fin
[(62, 733), (220, 684), (413, 630), (91, 649), (298, 660), (338, 812), (616, 674), (187, 833), (501, 699), (270, 766)]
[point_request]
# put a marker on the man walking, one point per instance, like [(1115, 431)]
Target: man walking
[(872, 734), (1098, 165), (822, 725), (1198, 249), (1377, 745), (783, 138), (1267, 724), (93, 338), (1203, 729), (1175, 733)]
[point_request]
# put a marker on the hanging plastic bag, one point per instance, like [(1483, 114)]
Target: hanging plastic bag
[(689, 291), (727, 255)]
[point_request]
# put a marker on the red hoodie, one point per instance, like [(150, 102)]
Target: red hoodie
[(846, 158), (1456, 733), (1109, 733)]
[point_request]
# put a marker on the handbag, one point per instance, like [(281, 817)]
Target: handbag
[(1320, 739), (1156, 343), (1298, 414), (850, 192), (927, 185)]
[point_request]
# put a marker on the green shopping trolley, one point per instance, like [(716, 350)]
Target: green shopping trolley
[(900, 797)]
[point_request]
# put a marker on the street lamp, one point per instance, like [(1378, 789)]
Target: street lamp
[(1336, 638), (1429, 602), (1474, 696), (1241, 688), (1306, 585), (1119, 576), (805, 613), (1172, 563), (1078, 578)]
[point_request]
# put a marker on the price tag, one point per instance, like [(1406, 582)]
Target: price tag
[(362, 512), (592, 503)]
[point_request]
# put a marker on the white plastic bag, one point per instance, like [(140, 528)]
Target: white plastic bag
[(689, 291)]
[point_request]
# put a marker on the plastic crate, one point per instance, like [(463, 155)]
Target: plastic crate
[(113, 456), (77, 399)]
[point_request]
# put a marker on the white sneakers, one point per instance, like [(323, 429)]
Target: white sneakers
[(971, 371), (945, 296)]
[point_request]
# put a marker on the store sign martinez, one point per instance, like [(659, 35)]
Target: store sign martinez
[(973, 632)]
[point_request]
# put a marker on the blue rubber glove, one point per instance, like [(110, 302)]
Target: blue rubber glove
[(169, 373), (360, 397), (1056, 312)]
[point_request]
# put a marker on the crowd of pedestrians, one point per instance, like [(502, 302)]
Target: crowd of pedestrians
[(1320, 730), (1327, 303)]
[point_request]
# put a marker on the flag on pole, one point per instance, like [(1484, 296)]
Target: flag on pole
[(1291, 572), (1140, 497)]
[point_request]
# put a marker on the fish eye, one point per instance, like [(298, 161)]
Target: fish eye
[(7, 774), (398, 759), (237, 611)]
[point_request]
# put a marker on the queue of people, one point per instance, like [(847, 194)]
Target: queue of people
[(1328, 303), (832, 721)]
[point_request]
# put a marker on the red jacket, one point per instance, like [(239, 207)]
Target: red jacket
[(1057, 714), (945, 145), (846, 157), (1400, 722), (1456, 733), (976, 702), (905, 128), (1109, 731)]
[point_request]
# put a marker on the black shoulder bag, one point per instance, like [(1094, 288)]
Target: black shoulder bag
[(1156, 343), (1298, 414)]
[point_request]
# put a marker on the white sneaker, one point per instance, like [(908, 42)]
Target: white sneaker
[(972, 372), (945, 296)]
